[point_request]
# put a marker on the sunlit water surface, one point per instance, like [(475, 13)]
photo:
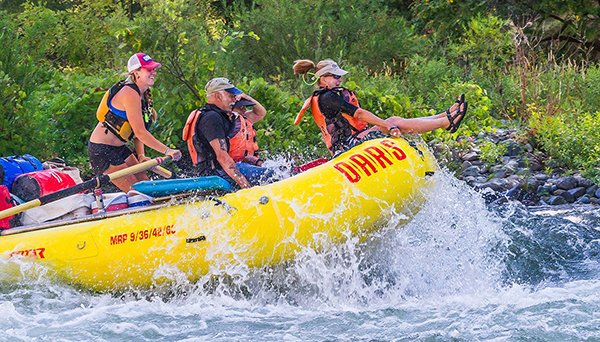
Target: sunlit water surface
[(460, 270)]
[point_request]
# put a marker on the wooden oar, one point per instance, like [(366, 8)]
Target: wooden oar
[(93, 183), (161, 171)]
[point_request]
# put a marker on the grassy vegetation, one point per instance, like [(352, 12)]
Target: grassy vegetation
[(533, 65)]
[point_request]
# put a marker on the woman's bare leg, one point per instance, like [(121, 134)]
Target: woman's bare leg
[(125, 183)]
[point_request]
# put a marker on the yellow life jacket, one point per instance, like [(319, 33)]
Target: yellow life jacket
[(115, 120)]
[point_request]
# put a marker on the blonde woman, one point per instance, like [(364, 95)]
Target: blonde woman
[(126, 113), (343, 123)]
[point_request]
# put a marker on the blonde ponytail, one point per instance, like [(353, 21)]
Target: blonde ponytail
[(150, 102)]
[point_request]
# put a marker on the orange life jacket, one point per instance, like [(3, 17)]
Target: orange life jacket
[(189, 133), (313, 102), (241, 144), (242, 141)]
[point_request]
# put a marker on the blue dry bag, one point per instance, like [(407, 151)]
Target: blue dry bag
[(13, 166)]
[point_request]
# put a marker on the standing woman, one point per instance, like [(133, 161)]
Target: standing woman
[(126, 113), (343, 123)]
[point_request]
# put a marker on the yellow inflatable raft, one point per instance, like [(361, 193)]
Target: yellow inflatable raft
[(141, 247)]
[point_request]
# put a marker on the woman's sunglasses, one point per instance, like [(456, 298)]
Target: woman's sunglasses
[(337, 77)]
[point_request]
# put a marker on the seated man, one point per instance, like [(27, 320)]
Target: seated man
[(207, 132)]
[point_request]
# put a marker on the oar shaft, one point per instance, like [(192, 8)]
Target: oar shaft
[(161, 171), (138, 167), (20, 208)]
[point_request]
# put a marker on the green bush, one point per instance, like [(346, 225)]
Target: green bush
[(67, 108), (491, 152), (19, 76), (572, 140), (355, 32)]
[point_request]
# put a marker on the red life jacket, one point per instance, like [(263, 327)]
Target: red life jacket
[(5, 203), (313, 102), (242, 141)]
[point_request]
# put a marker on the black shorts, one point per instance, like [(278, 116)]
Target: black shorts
[(102, 156)]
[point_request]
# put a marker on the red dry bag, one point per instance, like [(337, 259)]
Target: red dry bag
[(36, 184)]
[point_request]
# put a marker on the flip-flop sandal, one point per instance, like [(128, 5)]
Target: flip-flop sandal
[(460, 100), (456, 125)]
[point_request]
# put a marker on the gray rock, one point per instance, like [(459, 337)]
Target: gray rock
[(584, 200), (597, 193), (523, 163), (532, 183), (515, 180), (556, 200), (495, 184), (523, 172), (584, 182), (546, 189), (508, 169), (495, 168), (514, 149), (480, 180), (471, 156), (568, 196), (566, 183), (527, 147), (591, 190), (472, 171), (469, 180), (465, 165), (541, 176), (535, 166), (515, 193), (595, 200), (577, 192), (500, 174)]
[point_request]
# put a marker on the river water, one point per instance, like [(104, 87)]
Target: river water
[(461, 270)]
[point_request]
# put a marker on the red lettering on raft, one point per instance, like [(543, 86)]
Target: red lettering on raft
[(348, 171), (34, 253), (370, 161)]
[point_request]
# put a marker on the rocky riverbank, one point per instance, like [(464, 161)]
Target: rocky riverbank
[(500, 162)]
